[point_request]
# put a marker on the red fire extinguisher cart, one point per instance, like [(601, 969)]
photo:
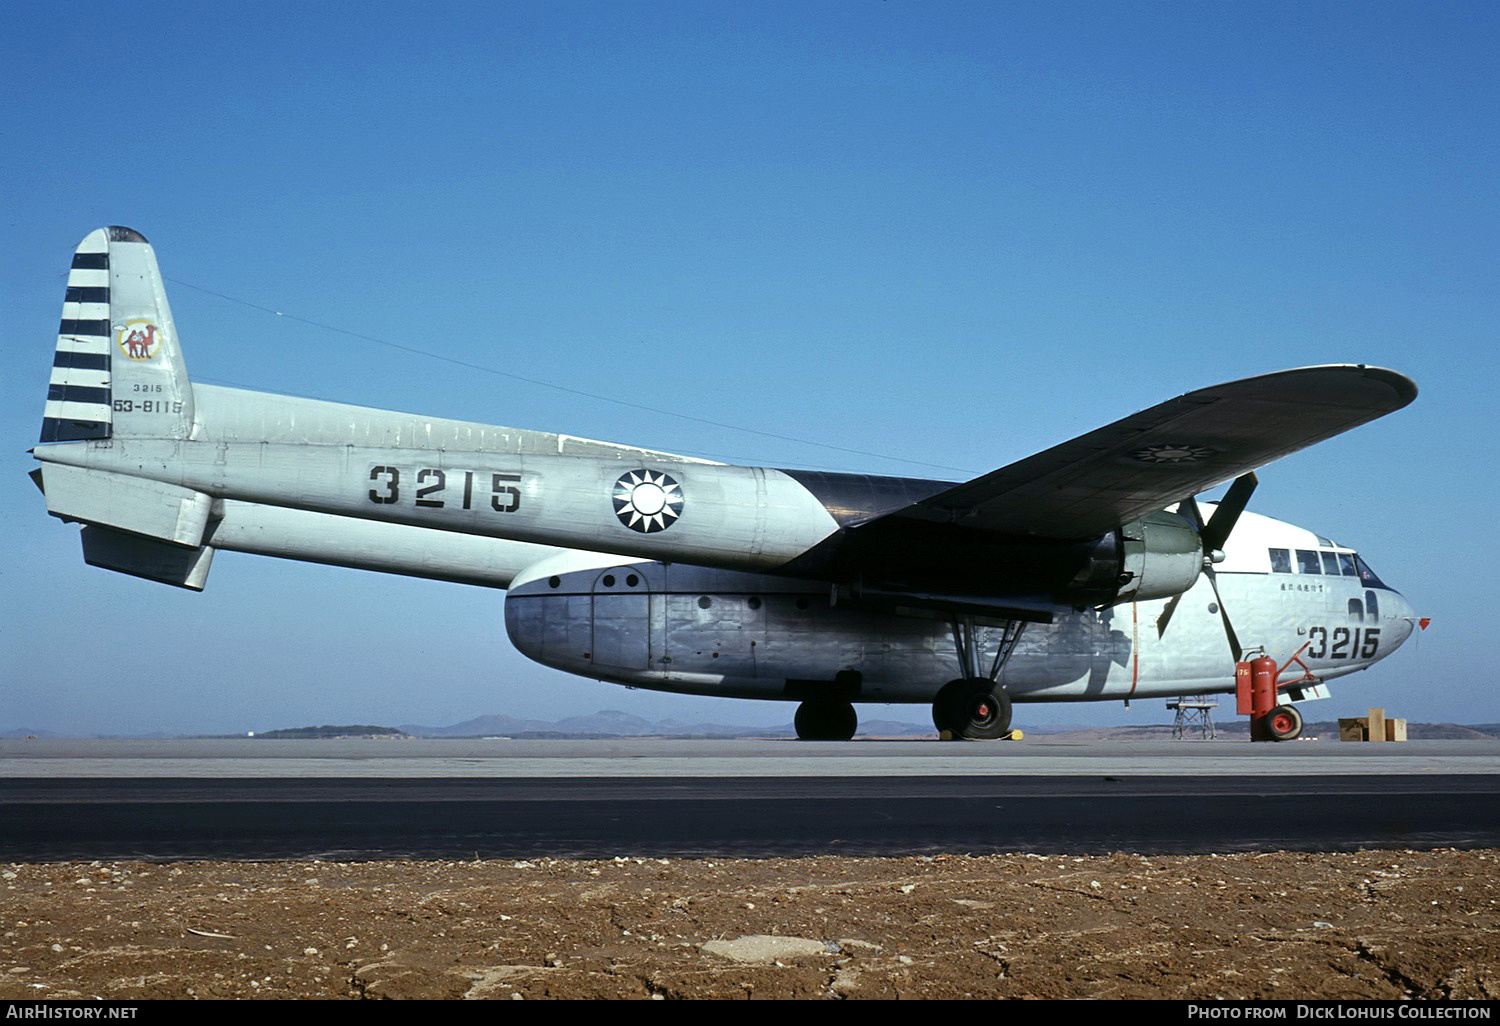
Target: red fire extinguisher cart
[(1257, 693)]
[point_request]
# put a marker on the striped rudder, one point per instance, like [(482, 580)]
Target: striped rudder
[(78, 396), (118, 369)]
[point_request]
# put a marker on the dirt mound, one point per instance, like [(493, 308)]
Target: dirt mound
[(1378, 924)]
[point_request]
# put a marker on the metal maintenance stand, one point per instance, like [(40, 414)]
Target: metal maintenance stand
[(1194, 713)]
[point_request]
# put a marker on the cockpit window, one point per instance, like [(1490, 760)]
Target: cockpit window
[(1316, 561), (1367, 576)]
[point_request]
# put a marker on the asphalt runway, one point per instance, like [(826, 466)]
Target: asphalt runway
[(256, 799)]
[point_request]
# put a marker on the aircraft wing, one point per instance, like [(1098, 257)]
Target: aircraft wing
[(1151, 459)]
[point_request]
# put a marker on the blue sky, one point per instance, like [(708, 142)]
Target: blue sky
[(950, 234)]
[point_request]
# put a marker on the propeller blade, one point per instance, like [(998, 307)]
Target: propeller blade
[(1234, 640), (1213, 535), (1188, 507), (1166, 614), (1216, 532)]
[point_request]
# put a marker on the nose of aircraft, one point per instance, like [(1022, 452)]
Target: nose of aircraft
[(1399, 618)]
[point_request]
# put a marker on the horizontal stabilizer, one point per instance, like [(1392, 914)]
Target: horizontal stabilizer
[(145, 557), (154, 509)]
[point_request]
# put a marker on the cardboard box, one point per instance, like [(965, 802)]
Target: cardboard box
[(1365, 728), (1354, 729)]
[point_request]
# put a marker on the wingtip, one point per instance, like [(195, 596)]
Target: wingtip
[(1356, 384), (1404, 387)]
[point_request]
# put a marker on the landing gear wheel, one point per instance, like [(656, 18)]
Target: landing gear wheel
[(826, 721), (1283, 723), (974, 708)]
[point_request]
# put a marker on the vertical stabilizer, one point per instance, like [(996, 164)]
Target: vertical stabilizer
[(118, 369)]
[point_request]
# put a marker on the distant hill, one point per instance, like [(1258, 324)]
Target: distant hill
[(605, 723), (355, 730), (1453, 731), (614, 723)]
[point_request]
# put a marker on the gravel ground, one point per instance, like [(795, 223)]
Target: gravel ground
[(1376, 924)]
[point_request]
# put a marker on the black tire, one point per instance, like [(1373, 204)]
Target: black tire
[(826, 721), (1283, 723), (976, 709)]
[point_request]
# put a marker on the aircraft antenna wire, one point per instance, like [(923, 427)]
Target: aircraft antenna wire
[(561, 388)]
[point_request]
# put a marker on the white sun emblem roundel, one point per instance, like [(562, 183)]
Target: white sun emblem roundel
[(1174, 453), (647, 500)]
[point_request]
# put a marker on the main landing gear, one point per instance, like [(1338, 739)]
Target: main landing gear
[(825, 720), (975, 707)]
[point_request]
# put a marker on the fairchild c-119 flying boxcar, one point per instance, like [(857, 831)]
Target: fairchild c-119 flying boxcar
[(1085, 572)]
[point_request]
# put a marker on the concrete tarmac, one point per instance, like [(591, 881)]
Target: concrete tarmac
[(647, 757), (378, 799)]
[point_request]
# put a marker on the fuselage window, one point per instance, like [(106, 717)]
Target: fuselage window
[(1346, 563), (1308, 562), (1356, 610), (1281, 561), (1330, 564), (1371, 606)]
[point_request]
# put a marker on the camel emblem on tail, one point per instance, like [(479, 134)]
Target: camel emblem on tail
[(139, 340)]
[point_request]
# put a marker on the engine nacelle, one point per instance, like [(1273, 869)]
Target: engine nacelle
[(1161, 555), (1156, 557)]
